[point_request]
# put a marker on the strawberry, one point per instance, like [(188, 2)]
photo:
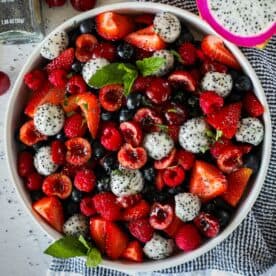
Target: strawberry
[(237, 182), (98, 231), (25, 164), (174, 226), (252, 105), (226, 119), (183, 79), (185, 159), (105, 204), (133, 252), (187, 53), (139, 210), (85, 180), (213, 47), (159, 181), (146, 39), (74, 126), (58, 152), (29, 135), (141, 229), (51, 210), (35, 79), (166, 161), (63, 61), (219, 146), (207, 181), (210, 102), (113, 26), (69, 104), (173, 176), (128, 201), (116, 241)]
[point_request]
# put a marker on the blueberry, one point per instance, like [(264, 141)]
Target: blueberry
[(60, 136), (185, 36), (125, 115), (176, 190), (243, 83), (99, 172), (36, 195), (193, 106), (148, 192), (223, 217), (179, 97), (110, 163), (73, 34), (103, 184), (76, 195), (87, 26), (38, 145), (125, 51), (134, 100), (77, 66), (71, 208), (252, 161), (149, 174), (98, 150), (160, 197), (210, 207), (234, 74), (107, 115), (234, 96), (221, 204)]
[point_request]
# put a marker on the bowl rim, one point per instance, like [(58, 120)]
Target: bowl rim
[(246, 205)]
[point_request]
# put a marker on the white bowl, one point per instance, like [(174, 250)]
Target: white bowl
[(18, 99)]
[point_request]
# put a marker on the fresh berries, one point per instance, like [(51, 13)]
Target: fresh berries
[(210, 102), (34, 181), (132, 158), (111, 97), (58, 78), (219, 146), (132, 133), (85, 180), (148, 119), (141, 229), (185, 159), (139, 210), (35, 79), (174, 176), (58, 152), (85, 44), (207, 224), (111, 138), (87, 207), (188, 53), (184, 80), (133, 252), (188, 238), (128, 201), (158, 91), (74, 126), (252, 105), (25, 163), (76, 85), (105, 204), (104, 50), (98, 231), (161, 216), (174, 226)]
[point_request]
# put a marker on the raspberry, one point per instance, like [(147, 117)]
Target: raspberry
[(58, 78), (87, 206), (188, 238), (252, 105), (34, 181), (141, 229), (188, 53), (76, 85), (106, 206), (75, 126), (210, 102), (35, 79), (58, 152), (111, 138), (25, 163), (85, 180), (173, 176)]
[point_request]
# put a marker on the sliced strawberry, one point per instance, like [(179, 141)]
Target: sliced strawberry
[(146, 39), (90, 106), (133, 252), (51, 210), (185, 159), (111, 97), (63, 61), (116, 241), (139, 210), (113, 26), (132, 133), (237, 182), (141, 229), (226, 119), (159, 181), (98, 231), (183, 79), (207, 181), (84, 47), (252, 105), (214, 48), (145, 19), (28, 134), (46, 95), (174, 226), (166, 161), (212, 66), (58, 152)]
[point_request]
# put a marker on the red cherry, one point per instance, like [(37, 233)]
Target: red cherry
[(87, 207), (207, 224), (174, 176), (83, 5), (55, 3), (148, 119), (111, 97), (4, 83), (104, 50), (34, 181), (111, 138), (158, 91), (185, 159), (161, 216), (25, 163), (176, 114), (132, 133)]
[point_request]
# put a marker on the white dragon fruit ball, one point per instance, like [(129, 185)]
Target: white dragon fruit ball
[(158, 247), (125, 182), (158, 144), (49, 119), (169, 61), (43, 161), (221, 83), (250, 130), (167, 26), (187, 206), (192, 135), (92, 66), (76, 225), (54, 45)]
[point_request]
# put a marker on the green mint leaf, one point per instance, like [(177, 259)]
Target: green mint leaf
[(94, 257), (177, 55), (85, 242), (109, 74), (219, 134), (66, 247), (149, 66), (129, 77)]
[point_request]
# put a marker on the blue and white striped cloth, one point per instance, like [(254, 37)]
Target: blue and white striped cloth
[(251, 249)]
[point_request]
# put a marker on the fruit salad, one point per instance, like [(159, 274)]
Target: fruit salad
[(137, 136)]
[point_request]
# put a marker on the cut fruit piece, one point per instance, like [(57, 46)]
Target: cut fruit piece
[(166, 161), (184, 80), (133, 252), (237, 182), (159, 181), (98, 231), (132, 133), (174, 226), (111, 97)]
